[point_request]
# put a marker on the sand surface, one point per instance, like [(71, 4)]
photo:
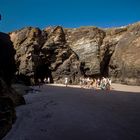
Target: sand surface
[(115, 86), (66, 113)]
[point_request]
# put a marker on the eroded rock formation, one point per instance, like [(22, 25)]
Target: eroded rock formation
[(125, 61), (86, 42), (28, 42), (57, 52), (62, 59), (45, 53), (9, 98)]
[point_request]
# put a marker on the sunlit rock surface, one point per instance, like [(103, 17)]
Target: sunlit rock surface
[(58, 52)]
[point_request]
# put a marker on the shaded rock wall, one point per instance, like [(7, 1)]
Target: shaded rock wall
[(7, 61), (9, 98), (7, 115), (72, 53)]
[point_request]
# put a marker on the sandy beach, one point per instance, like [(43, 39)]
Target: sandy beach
[(115, 86), (55, 112)]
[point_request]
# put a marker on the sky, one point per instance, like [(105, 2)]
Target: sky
[(17, 14)]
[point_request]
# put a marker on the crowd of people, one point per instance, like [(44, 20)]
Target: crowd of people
[(103, 83), (45, 81)]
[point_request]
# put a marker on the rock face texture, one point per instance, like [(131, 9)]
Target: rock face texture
[(8, 97), (108, 46), (41, 54), (62, 59), (86, 42), (125, 61), (27, 43), (57, 53)]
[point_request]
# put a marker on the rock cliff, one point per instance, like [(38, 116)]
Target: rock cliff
[(86, 42), (58, 52), (125, 62), (9, 98), (41, 54)]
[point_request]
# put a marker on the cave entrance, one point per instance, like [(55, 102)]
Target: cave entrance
[(104, 65), (42, 72)]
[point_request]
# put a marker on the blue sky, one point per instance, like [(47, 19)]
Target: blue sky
[(17, 14)]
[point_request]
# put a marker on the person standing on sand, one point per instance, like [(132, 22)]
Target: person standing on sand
[(66, 81), (94, 84), (48, 80), (83, 82), (98, 83), (108, 85), (39, 83), (103, 83), (80, 82), (45, 80), (110, 82)]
